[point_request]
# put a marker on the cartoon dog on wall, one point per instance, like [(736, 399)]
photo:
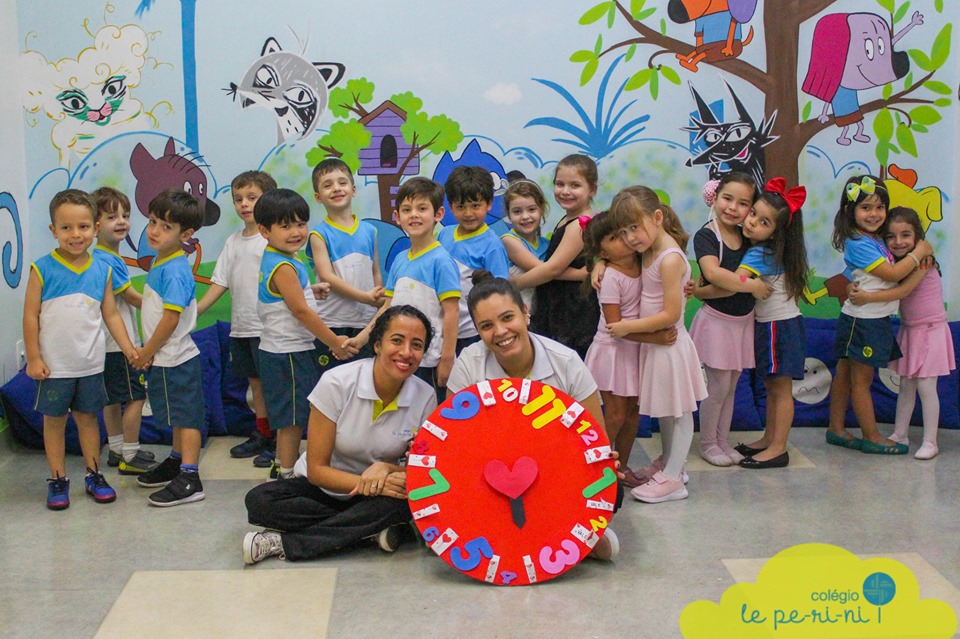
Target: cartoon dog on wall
[(852, 52), (716, 28), (290, 86), (88, 97)]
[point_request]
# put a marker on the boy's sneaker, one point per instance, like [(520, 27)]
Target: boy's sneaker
[(660, 488), (275, 470), (114, 459), (98, 488), (161, 474), (256, 444), (58, 493), (185, 488), (257, 546), (140, 464), (266, 456)]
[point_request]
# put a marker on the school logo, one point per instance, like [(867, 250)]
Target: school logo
[(867, 351)]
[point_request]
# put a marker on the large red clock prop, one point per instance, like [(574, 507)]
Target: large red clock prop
[(511, 482)]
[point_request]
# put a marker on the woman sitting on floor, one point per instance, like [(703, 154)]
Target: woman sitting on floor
[(508, 349), (349, 485)]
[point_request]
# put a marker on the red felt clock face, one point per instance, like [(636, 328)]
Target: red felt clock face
[(511, 482)]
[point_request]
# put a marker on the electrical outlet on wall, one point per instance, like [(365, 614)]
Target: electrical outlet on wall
[(21, 353)]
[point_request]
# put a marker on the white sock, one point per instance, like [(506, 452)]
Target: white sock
[(906, 400), (681, 436), (130, 450), (930, 405), (115, 442), (286, 473)]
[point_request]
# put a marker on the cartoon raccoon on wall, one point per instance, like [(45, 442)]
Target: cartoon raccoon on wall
[(290, 86)]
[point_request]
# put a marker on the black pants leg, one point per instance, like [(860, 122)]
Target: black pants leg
[(312, 523)]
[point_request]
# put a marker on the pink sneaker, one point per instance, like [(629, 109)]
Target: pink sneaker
[(660, 488)]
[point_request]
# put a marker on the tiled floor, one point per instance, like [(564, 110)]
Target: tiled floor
[(126, 569)]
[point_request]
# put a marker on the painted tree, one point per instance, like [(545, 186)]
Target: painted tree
[(907, 107), (349, 138)]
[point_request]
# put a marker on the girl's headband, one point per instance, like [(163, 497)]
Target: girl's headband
[(867, 185), (794, 198)]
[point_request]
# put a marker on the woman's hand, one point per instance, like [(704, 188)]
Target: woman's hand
[(395, 485), (372, 480)]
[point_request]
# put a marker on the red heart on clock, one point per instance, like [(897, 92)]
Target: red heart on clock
[(511, 482)]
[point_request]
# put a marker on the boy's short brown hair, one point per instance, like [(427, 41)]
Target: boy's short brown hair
[(73, 196), (329, 166), (109, 199), (260, 179), (178, 207), (421, 187), (469, 184)]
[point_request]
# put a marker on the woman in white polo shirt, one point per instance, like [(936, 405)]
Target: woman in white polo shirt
[(508, 349), (349, 485)]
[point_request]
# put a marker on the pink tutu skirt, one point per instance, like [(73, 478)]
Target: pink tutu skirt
[(672, 380), (724, 342), (927, 350), (615, 365)]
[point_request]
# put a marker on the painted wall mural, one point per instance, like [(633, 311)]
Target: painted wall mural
[(12, 266), (664, 93)]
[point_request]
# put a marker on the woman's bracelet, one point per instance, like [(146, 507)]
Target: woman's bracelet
[(914, 259)]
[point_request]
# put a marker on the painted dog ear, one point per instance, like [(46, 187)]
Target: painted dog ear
[(330, 70)]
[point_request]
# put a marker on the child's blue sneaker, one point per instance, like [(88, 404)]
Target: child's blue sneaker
[(58, 493), (98, 488)]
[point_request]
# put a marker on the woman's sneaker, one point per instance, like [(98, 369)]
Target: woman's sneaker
[(141, 463), (161, 474), (257, 546), (98, 488), (58, 493), (183, 489)]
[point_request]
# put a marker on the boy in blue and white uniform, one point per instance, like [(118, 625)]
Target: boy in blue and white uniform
[(69, 297), (175, 376), (285, 303), (425, 277), (343, 252), (124, 384), (471, 243)]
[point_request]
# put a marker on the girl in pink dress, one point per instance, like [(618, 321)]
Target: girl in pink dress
[(924, 336), (614, 362), (673, 383)]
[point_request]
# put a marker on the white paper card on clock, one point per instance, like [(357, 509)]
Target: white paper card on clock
[(492, 569), (444, 541), (486, 393), (434, 430), (432, 509), (525, 391), (422, 461), (592, 455), (571, 414)]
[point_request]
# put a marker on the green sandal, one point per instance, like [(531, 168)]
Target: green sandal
[(868, 447), (845, 442)]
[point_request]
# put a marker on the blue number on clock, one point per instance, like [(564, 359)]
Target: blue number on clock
[(476, 548), (431, 533), (465, 406)]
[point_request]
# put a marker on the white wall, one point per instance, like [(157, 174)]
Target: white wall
[(13, 180)]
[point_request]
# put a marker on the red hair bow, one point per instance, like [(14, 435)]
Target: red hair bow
[(795, 197), (583, 220)]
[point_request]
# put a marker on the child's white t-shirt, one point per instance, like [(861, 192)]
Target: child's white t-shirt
[(238, 269)]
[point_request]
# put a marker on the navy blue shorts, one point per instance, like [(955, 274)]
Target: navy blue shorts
[(176, 395), (780, 347), (868, 341), (122, 381), (56, 396), (245, 357), (287, 379), (326, 359)]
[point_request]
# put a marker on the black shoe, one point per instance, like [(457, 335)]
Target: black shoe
[(256, 444), (266, 458), (161, 474), (746, 451), (777, 462), (185, 488)]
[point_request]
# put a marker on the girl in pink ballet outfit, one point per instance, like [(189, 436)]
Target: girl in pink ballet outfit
[(924, 336), (674, 383)]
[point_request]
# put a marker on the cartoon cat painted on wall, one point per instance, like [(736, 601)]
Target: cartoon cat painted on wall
[(88, 97), (290, 86)]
